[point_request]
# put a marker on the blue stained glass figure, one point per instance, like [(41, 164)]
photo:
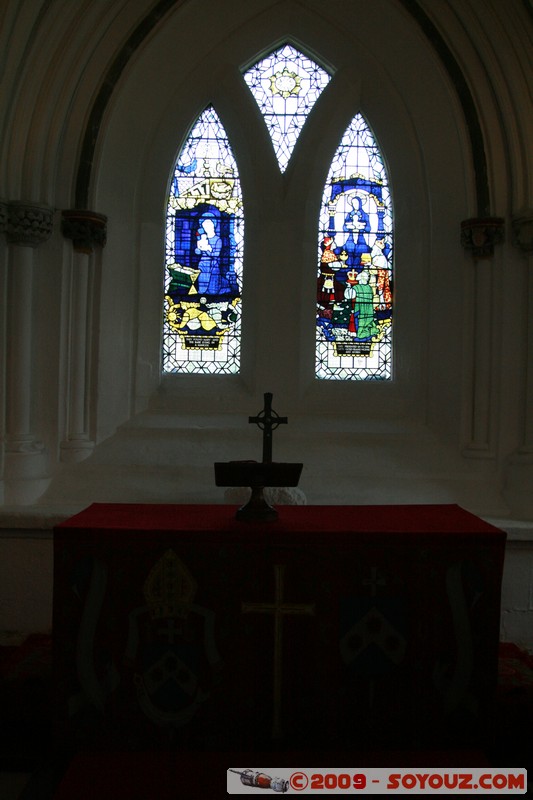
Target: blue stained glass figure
[(354, 281), (204, 255), (286, 84)]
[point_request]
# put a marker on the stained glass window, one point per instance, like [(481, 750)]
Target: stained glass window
[(204, 241), (354, 281), (285, 85)]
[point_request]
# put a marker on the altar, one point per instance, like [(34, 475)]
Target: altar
[(362, 626)]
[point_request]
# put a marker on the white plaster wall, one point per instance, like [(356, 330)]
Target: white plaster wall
[(517, 595), (26, 583)]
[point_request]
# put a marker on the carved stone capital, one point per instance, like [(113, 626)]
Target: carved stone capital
[(87, 229), (480, 234), (522, 226), (28, 225)]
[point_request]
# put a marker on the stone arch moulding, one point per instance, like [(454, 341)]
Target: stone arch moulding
[(108, 84)]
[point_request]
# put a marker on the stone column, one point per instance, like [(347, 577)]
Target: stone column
[(86, 230), (478, 237), (28, 225), (519, 479)]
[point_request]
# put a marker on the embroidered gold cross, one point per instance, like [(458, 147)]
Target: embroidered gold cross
[(279, 609)]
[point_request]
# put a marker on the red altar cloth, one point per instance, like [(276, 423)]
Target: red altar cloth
[(366, 626)]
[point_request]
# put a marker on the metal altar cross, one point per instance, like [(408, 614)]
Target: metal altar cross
[(268, 421), (279, 609)]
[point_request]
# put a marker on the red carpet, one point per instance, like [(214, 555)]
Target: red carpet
[(515, 668)]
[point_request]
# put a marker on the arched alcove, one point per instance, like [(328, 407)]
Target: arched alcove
[(123, 104), (371, 431), (421, 153)]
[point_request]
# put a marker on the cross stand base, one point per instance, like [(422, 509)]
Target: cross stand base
[(257, 507), (257, 475)]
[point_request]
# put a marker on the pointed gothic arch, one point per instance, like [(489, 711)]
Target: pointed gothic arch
[(203, 264), (354, 281), (205, 230), (158, 13)]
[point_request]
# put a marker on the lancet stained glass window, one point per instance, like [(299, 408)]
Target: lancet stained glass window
[(286, 85), (354, 282), (204, 241)]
